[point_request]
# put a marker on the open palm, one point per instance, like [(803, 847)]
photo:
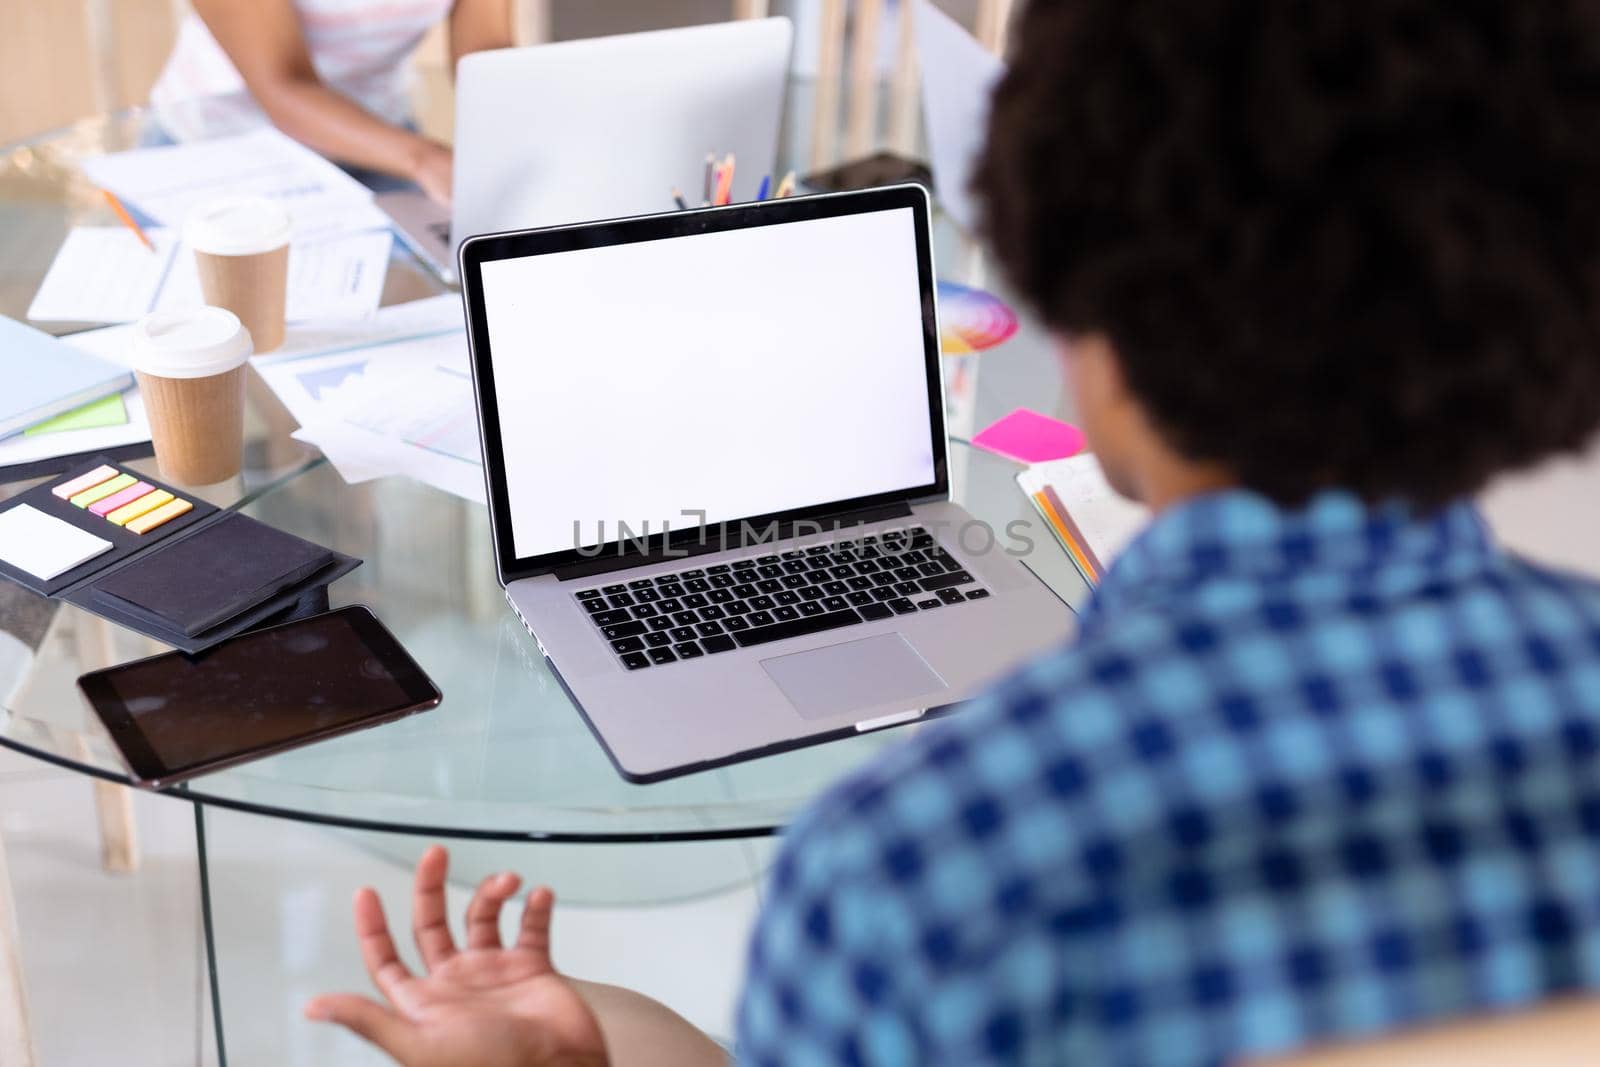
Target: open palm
[(484, 1004)]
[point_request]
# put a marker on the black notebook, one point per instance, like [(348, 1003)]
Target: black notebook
[(213, 575)]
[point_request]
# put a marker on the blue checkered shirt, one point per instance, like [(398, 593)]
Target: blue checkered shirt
[(1302, 775)]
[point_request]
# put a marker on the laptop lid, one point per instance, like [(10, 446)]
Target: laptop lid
[(699, 378), (598, 128)]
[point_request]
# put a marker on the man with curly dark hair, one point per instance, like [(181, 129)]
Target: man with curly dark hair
[(1323, 761)]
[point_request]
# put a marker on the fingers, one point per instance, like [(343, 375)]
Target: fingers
[(429, 924), (483, 913), (535, 933), (377, 947), (366, 1018)]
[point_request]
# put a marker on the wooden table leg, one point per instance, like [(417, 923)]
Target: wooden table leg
[(16, 1040)]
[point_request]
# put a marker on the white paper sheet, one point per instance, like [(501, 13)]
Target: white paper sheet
[(397, 322), (1107, 519), (104, 274), (166, 183), (958, 76)]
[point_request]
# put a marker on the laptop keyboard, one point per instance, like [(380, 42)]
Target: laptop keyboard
[(651, 622)]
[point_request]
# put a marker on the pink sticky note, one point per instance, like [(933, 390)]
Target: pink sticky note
[(116, 500), (1029, 437)]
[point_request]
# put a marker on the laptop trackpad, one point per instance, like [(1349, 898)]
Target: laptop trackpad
[(830, 681)]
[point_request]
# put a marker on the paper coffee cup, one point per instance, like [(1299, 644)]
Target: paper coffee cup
[(191, 367), (241, 247)]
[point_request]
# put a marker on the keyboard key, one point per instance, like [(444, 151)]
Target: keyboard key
[(860, 581), (761, 618), (769, 585), (835, 603), (608, 590), (809, 608), (930, 569), (841, 571), (658, 656), (977, 594), (627, 644), (873, 612), (883, 578), (866, 566), (931, 602), (821, 577), (786, 596), (708, 629), (712, 614), (734, 624), (656, 640), (952, 596), (793, 553), (588, 594), (720, 596), (902, 606), (812, 592), (670, 589), (794, 581), (946, 581), (793, 566), (907, 588), (693, 574), (721, 568), (921, 539), (746, 576), (907, 574), (859, 599), (763, 603), (736, 607), (883, 594), (818, 563), (595, 607), (685, 618), (607, 618), (835, 588), (697, 585), (797, 628), (695, 600), (621, 600), (634, 660), (669, 605), (660, 622), (688, 650), (816, 550), (914, 557), (771, 570), (682, 633), (785, 614), (645, 611), (766, 561), (646, 596), (721, 581), (744, 592), (642, 583), (720, 643)]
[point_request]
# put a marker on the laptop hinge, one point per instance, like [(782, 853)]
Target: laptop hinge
[(832, 524)]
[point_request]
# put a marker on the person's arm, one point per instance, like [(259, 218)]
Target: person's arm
[(264, 40), (477, 26), (489, 1005)]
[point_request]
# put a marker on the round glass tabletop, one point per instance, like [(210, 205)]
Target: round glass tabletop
[(506, 756)]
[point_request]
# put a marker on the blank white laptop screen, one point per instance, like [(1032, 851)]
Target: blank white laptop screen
[(739, 373)]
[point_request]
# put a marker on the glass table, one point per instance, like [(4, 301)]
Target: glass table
[(506, 757)]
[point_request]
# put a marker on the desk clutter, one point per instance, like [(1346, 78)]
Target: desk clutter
[(155, 559), (1091, 521)]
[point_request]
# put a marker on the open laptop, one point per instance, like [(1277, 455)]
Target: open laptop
[(602, 127), (716, 462)]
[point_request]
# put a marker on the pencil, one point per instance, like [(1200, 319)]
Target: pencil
[(711, 166), (725, 184), (127, 219), (677, 197), (766, 186), (785, 187)]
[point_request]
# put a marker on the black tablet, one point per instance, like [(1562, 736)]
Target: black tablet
[(175, 716)]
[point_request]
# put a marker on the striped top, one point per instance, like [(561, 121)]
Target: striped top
[(358, 47)]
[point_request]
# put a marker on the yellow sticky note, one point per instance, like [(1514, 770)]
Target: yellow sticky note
[(134, 508), (103, 490), (165, 513)]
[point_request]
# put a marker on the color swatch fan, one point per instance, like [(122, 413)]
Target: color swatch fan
[(972, 320)]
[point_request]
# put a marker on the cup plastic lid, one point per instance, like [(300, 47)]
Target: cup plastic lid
[(192, 343), (238, 226)]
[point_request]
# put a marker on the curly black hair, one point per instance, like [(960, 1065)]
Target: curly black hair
[(1334, 243)]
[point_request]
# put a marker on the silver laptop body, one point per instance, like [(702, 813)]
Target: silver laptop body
[(755, 394), (597, 128)]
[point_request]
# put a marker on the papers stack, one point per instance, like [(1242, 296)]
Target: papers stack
[(1091, 520)]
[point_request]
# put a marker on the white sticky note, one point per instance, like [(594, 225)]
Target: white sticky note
[(44, 545)]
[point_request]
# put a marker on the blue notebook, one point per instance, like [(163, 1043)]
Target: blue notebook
[(41, 377)]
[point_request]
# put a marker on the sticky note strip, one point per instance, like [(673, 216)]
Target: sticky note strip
[(1029, 437), (116, 500), (165, 513), (44, 545), (142, 506), (103, 490), (67, 490)]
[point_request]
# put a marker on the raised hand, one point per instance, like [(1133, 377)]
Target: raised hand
[(483, 1005)]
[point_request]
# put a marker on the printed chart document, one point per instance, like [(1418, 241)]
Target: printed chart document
[(105, 274), (399, 404), (166, 183)]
